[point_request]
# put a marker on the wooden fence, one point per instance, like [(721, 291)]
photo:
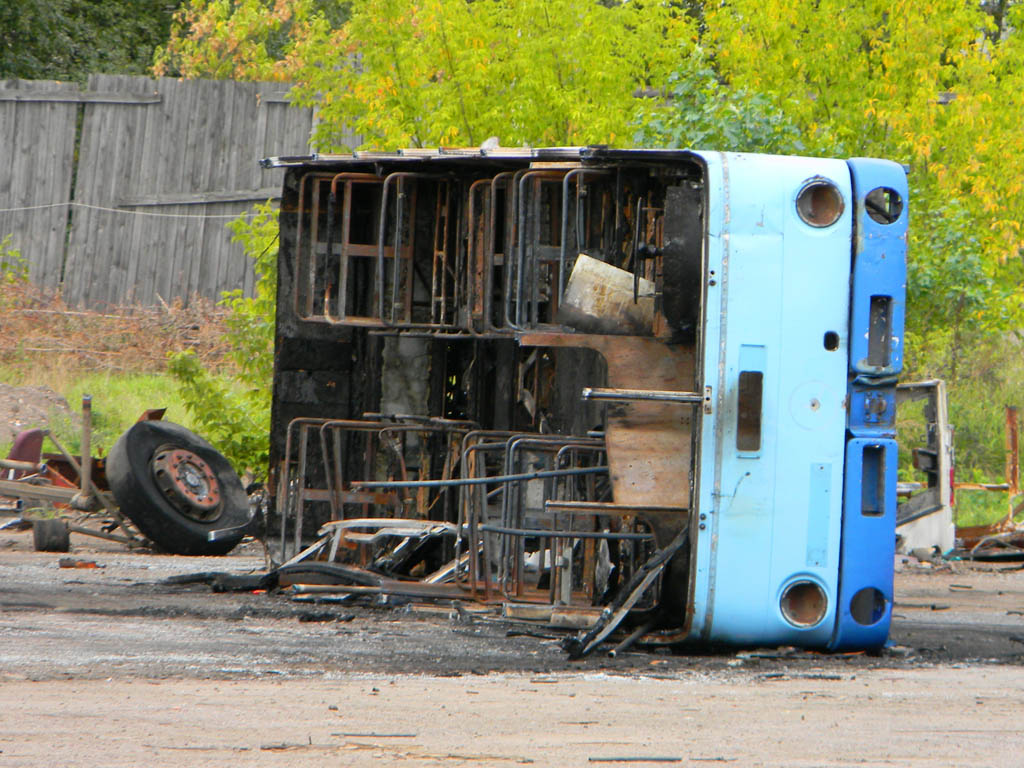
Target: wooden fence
[(37, 149), (162, 166)]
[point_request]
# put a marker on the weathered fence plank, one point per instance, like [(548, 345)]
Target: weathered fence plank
[(161, 172), (163, 166), (65, 96), (37, 140)]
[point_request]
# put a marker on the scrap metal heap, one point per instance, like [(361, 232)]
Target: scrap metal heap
[(486, 375)]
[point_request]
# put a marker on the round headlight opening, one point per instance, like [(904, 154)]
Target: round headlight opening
[(884, 205), (803, 604), (819, 203)]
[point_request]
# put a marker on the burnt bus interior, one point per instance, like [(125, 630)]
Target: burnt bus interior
[(486, 368)]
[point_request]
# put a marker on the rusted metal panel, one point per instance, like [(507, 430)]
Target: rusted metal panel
[(648, 442)]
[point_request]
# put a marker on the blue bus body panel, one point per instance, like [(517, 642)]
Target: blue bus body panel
[(770, 508), (872, 408), (876, 356), (869, 545), (879, 273)]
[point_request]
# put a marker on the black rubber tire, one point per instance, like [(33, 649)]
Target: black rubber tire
[(142, 502), (50, 535)]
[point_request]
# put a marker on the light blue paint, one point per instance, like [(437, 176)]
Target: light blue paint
[(819, 511), (752, 357), (782, 286)]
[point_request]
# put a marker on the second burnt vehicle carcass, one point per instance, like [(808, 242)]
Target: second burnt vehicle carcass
[(649, 382)]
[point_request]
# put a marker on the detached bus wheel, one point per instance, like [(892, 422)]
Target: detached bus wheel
[(176, 488), (50, 535)]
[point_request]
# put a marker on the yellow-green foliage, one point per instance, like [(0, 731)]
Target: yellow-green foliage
[(447, 72), (936, 85), (239, 39), (13, 265)]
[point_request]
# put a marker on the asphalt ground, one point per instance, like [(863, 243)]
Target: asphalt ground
[(112, 666), (58, 621)]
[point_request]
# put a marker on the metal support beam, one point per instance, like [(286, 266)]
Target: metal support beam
[(632, 395)]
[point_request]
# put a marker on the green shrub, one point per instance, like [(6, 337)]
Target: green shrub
[(13, 266), (234, 414)]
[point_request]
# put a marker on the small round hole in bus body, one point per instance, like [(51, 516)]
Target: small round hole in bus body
[(884, 205), (868, 606)]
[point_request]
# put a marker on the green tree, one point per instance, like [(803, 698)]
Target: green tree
[(69, 39), (446, 72), (937, 85), (698, 110), (243, 39)]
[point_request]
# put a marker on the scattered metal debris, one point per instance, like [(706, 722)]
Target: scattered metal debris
[(161, 486), (626, 599), (925, 515), (77, 562), (925, 526)]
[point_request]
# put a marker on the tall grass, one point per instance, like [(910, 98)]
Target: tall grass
[(118, 399)]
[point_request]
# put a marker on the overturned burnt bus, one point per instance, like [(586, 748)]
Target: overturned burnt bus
[(653, 385)]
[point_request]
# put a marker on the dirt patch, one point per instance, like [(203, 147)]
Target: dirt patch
[(927, 718), (29, 408)]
